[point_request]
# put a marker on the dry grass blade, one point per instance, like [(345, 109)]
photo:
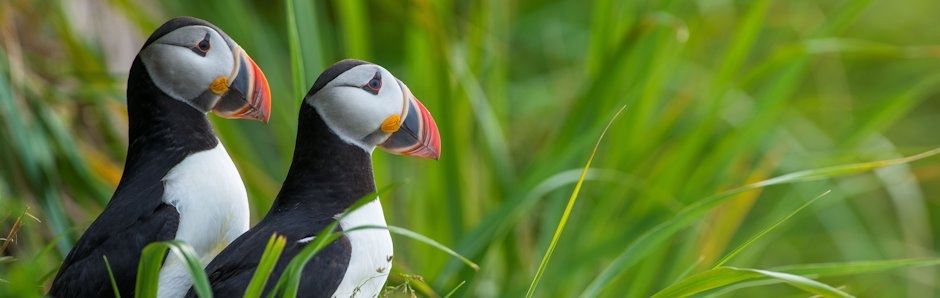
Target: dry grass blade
[(17, 224)]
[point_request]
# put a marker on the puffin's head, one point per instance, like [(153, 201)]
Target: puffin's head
[(365, 105), (195, 62)]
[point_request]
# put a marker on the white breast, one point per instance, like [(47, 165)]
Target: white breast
[(213, 206), (371, 258)]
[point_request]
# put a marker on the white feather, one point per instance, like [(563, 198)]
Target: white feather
[(372, 252), (213, 206)]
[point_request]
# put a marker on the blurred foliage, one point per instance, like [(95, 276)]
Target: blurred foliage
[(719, 94)]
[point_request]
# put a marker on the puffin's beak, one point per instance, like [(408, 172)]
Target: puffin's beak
[(418, 135), (248, 96)]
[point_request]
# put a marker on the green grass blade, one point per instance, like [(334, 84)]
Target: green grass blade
[(723, 276), (289, 282), (734, 56), (515, 209), (855, 268), (891, 109), (148, 272), (152, 259), (802, 283), (454, 291), (420, 238), (114, 286), (272, 252), (845, 17), (355, 26), (296, 59), (652, 238), (569, 207), (487, 120), (747, 243), (834, 171)]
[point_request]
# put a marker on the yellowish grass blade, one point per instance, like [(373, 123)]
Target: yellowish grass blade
[(272, 253), (571, 201)]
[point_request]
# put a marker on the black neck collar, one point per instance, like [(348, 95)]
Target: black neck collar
[(162, 131), (327, 174)]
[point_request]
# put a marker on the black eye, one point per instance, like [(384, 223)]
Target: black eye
[(202, 48), (204, 45), (374, 85)]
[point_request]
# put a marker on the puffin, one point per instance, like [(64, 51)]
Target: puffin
[(352, 108), (178, 181)]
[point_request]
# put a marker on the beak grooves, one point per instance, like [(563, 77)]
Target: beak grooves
[(248, 96), (418, 135)]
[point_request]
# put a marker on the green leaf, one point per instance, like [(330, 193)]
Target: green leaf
[(723, 276), (289, 282), (152, 259), (652, 238), (272, 252), (571, 201), (855, 268), (747, 243), (296, 58), (421, 238), (454, 291), (114, 286)]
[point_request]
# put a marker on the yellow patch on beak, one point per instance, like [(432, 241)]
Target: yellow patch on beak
[(219, 86), (391, 124)]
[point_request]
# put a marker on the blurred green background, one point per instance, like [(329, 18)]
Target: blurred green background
[(719, 93)]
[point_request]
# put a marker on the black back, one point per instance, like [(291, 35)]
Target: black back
[(162, 132), (325, 178)]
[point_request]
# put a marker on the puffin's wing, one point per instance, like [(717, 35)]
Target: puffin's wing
[(325, 271), (121, 237), (232, 270)]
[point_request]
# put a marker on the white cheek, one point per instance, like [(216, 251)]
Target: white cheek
[(169, 70), (183, 74), (392, 99), (351, 112), (354, 114), (219, 61)]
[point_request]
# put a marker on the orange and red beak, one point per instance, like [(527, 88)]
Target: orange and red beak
[(248, 95), (418, 135)]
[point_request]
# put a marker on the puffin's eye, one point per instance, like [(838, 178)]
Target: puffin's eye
[(374, 85), (202, 48)]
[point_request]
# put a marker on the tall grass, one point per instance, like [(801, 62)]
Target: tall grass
[(721, 96)]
